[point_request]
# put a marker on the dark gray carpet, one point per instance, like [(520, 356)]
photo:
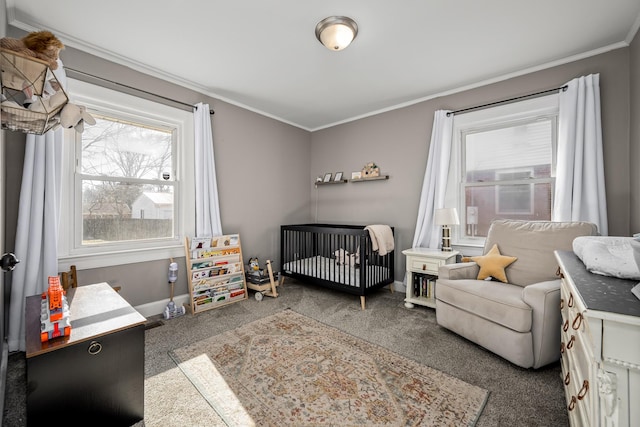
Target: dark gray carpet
[(519, 397)]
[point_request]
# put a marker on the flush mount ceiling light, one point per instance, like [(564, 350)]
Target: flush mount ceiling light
[(336, 32)]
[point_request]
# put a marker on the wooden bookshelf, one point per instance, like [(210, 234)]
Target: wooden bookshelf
[(215, 271)]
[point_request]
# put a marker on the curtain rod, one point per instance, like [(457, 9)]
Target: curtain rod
[(504, 101), (133, 88)]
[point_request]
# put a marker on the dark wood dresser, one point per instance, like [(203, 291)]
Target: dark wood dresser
[(95, 376)]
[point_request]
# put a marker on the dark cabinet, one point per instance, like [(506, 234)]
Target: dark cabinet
[(96, 375)]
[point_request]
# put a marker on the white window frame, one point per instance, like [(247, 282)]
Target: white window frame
[(499, 116), (122, 105)]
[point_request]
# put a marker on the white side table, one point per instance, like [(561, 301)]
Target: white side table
[(422, 272)]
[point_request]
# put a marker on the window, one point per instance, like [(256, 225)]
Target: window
[(127, 196), (503, 166)]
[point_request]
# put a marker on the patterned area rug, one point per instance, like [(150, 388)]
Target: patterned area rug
[(288, 369)]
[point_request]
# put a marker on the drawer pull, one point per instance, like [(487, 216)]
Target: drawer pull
[(562, 347), (570, 303), (572, 404), (571, 341), (559, 273), (424, 267), (583, 391), (567, 380), (565, 327), (577, 322), (94, 348), (561, 303)]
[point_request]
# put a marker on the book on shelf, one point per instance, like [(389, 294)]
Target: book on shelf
[(423, 285), (200, 243), (213, 252), (217, 270)]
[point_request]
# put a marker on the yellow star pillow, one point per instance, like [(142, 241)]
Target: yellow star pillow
[(493, 264)]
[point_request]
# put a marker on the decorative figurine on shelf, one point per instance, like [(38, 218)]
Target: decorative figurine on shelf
[(370, 170), (39, 44), (54, 313)]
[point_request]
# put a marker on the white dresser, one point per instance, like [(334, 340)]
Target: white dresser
[(600, 346)]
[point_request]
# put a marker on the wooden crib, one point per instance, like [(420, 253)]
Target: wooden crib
[(313, 253)]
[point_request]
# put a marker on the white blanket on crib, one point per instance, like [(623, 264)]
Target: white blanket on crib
[(381, 238), (609, 256)]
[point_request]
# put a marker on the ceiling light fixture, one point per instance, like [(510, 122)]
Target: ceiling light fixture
[(336, 32)]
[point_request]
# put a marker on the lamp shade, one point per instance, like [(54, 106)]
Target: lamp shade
[(336, 32), (447, 216)]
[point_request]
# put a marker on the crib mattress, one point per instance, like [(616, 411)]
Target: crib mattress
[(326, 268)]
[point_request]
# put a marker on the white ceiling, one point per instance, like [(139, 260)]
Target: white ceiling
[(263, 55)]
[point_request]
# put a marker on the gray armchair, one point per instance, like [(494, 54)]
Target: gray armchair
[(519, 320)]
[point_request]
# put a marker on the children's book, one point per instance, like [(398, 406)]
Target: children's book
[(200, 243)]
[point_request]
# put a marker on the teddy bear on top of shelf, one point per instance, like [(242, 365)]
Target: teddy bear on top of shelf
[(38, 44)]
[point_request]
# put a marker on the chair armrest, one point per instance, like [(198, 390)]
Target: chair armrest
[(462, 270), (544, 300)]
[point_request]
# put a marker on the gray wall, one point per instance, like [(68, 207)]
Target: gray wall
[(262, 170), (266, 169), (398, 141), (634, 137)]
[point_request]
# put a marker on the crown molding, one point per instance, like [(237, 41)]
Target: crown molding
[(30, 25)]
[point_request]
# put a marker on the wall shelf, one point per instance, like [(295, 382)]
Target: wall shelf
[(375, 178), (342, 181)]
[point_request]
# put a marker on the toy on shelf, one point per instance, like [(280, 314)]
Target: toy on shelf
[(38, 44), (54, 313), (370, 170), (261, 280)]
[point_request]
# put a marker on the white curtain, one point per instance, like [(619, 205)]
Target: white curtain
[(580, 192), (37, 230), (207, 204), (38, 219), (435, 181)]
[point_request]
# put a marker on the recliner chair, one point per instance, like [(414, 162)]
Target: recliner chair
[(519, 320)]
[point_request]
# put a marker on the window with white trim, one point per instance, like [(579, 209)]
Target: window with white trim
[(128, 181), (502, 166)]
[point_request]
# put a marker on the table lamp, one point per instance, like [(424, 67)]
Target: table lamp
[(446, 217)]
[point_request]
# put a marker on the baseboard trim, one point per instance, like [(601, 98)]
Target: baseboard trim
[(399, 287), (157, 307)]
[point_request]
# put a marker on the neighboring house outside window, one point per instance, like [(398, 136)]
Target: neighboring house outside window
[(502, 166), (127, 194)]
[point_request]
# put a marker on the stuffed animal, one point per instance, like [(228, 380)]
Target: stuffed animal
[(74, 116), (39, 44), (45, 105), (344, 257), (254, 265)]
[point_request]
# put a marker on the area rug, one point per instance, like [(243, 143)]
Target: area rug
[(289, 369)]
